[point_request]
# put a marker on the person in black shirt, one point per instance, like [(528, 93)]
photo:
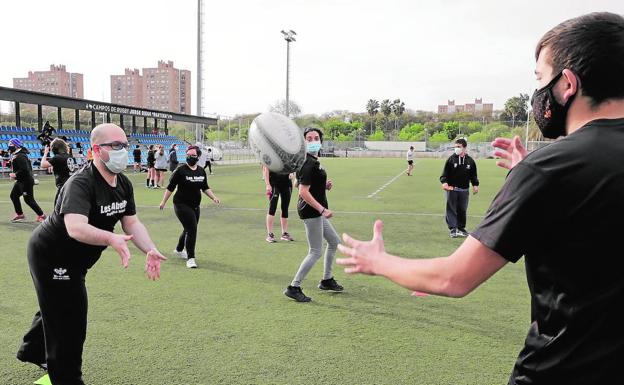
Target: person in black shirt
[(558, 207), (61, 163), (277, 185), (45, 137), (173, 157), (24, 182), (70, 242), (151, 171), (313, 208), (190, 181), (136, 154), (459, 170)]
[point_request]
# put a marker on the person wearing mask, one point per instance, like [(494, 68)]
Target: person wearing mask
[(136, 154), (278, 187), (24, 182), (160, 165), (63, 249), (190, 181), (173, 157), (62, 165), (410, 160), (151, 172), (313, 208), (459, 171), (209, 160), (557, 207)]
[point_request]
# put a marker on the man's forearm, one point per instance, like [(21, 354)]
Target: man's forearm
[(90, 235), (140, 236), (426, 275)]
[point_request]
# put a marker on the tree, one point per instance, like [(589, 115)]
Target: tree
[(386, 110), (398, 108), (280, 107), (372, 107), (516, 108), (451, 129), (377, 135)]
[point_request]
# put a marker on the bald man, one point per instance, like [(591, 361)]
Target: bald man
[(63, 248)]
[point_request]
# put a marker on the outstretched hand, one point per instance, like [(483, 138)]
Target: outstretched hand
[(152, 264), (364, 257), (510, 150)]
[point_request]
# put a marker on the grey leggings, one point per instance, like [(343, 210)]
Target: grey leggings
[(317, 229)]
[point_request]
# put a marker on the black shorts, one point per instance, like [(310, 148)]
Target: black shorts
[(410, 162), (150, 164), (161, 169), (137, 160)]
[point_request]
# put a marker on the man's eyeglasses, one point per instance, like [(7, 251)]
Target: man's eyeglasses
[(116, 145)]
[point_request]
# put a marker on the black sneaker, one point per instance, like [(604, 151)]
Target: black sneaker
[(42, 365), (330, 284), (462, 233), (296, 293), (453, 233)]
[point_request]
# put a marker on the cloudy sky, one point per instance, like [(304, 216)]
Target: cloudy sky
[(347, 51)]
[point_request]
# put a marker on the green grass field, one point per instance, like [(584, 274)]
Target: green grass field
[(228, 321)]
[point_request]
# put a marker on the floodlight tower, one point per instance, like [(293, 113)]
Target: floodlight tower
[(289, 37), (199, 132)]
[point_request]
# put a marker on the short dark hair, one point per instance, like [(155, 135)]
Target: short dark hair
[(310, 129), (194, 148), (592, 46), (462, 142)]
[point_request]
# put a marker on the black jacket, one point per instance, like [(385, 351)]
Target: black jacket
[(22, 167), (459, 172), (173, 160)]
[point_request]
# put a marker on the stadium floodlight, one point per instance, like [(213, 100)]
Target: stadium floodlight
[(289, 37)]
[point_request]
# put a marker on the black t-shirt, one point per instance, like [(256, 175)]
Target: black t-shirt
[(561, 208), (151, 157), (460, 171), (62, 166), (312, 174), (22, 167), (137, 155), (190, 184), (88, 194), (276, 179)]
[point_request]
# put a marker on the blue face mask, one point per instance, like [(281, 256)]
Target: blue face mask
[(313, 147)]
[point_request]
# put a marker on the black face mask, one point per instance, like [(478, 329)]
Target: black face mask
[(550, 116), (191, 160), (12, 149)]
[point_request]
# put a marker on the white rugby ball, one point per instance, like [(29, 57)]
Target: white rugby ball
[(277, 142)]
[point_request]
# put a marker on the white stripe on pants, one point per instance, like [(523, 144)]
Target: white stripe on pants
[(317, 229)]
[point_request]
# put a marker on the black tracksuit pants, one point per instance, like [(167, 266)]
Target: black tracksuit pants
[(189, 217), (25, 189), (59, 328), (456, 207), (283, 192)]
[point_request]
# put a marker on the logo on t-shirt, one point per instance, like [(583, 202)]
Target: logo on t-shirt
[(59, 274), (114, 208), (195, 178), (71, 164)]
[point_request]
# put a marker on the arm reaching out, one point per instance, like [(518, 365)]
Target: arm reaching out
[(510, 150), (453, 276)]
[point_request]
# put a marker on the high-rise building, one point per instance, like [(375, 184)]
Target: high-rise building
[(127, 89), (478, 107), (56, 81), (167, 88), (163, 88)]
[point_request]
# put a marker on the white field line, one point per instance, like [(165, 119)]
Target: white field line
[(395, 213), (386, 185)]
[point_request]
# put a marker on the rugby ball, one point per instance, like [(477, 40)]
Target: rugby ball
[(277, 142)]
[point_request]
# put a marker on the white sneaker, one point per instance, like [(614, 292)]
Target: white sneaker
[(190, 263), (182, 254)]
